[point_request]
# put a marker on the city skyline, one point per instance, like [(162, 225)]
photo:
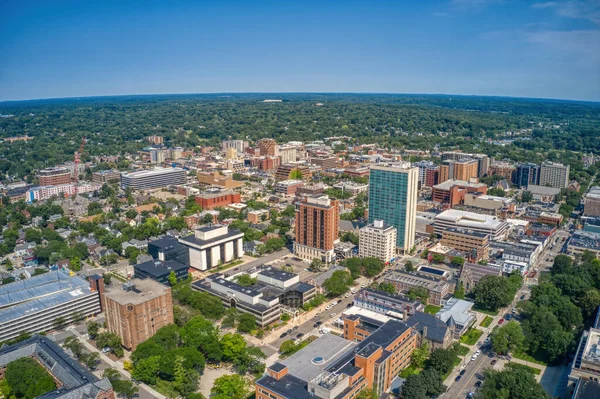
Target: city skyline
[(460, 47)]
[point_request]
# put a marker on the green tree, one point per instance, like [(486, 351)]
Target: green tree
[(146, 370), (59, 322), (442, 360), (459, 292), (409, 267), (93, 328), (418, 292), (124, 388), (438, 258), (247, 323), (420, 355), (75, 264), (172, 278), (233, 346), (493, 292), (287, 347), (507, 338), (589, 302), (368, 393), (562, 264), (387, 287), (339, 283), (25, 378), (131, 214), (316, 265), (515, 381), (526, 196), (457, 261), (231, 386), (245, 280)]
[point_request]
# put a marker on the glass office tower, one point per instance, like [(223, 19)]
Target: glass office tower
[(393, 199)]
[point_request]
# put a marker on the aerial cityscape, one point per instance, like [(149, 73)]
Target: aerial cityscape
[(190, 209)]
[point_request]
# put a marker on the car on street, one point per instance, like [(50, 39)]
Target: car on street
[(347, 296), (470, 395), (478, 384), (500, 321), (508, 316), (295, 328), (493, 362), (333, 314), (462, 372), (289, 331), (478, 352), (283, 335), (457, 378), (300, 335), (317, 324), (473, 357)]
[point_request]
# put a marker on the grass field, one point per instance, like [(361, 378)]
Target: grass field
[(533, 369), (410, 370), (432, 309), (471, 336), (490, 312), (528, 358), (487, 321), (463, 350)]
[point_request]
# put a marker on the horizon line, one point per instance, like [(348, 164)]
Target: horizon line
[(2, 102)]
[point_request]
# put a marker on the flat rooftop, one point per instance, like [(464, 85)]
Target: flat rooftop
[(144, 290), (159, 268), (152, 172), (469, 219), (448, 184), (277, 274)]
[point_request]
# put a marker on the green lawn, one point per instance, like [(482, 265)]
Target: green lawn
[(463, 350), (484, 311), (532, 369), (487, 321), (471, 336), (528, 358), (432, 309), (410, 370), (166, 388)]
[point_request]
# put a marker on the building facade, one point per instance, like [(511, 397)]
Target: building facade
[(218, 199), (137, 309), (393, 198), (474, 244), (317, 219), (153, 178), (377, 240), (106, 176), (526, 174), (54, 176), (211, 245), (591, 202), (554, 175)]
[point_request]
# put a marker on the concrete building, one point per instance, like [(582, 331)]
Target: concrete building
[(473, 243), (274, 291), (452, 218), (317, 219), (153, 178), (591, 202), (267, 147), (526, 174), (137, 309), (543, 193), (403, 282), (554, 174), (324, 162), (288, 154), (488, 202), (483, 161), (288, 187), (239, 145), (423, 166), (169, 249), (54, 176), (393, 198), (334, 367), (504, 169), (32, 305), (218, 198), (471, 273), (292, 171), (64, 190), (211, 245), (453, 192), (72, 379), (230, 154), (106, 176), (218, 180), (582, 241), (377, 240), (156, 140)]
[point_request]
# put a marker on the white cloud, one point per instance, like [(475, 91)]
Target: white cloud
[(576, 9)]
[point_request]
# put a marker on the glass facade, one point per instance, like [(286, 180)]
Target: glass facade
[(388, 196)]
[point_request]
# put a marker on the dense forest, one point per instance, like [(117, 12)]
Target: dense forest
[(117, 125)]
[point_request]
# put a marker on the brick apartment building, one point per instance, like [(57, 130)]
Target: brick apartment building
[(317, 226), (452, 192), (54, 176)]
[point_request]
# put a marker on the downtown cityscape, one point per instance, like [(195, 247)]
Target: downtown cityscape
[(319, 235)]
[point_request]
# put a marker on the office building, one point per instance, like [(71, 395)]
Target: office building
[(483, 161), (392, 305), (264, 300), (168, 248), (393, 199), (158, 155), (218, 199), (211, 245), (488, 202), (591, 202), (230, 153), (526, 174), (153, 178), (218, 180), (423, 166), (453, 218), (472, 273), (402, 281), (292, 171), (317, 219), (32, 305), (288, 187), (156, 140), (334, 367), (136, 310), (582, 241), (160, 270), (267, 147), (351, 187), (64, 190), (473, 243), (54, 176), (106, 176), (324, 162), (239, 145), (377, 240), (554, 175), (453, 192), (72, 379), (431, 176), (288, 154)]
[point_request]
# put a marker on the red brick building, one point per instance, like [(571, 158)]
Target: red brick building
[(210, 201)]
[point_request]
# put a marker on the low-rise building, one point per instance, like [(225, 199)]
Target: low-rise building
[(159, 270), (488, 202), (591, 202), (106, 176), (582, 241), (351, 187), (431, 329), (211, 245), (293, 171), (438, 289), (452, 192), (217, 199), (288, 187), (543, 193), (474, 243), (551, 218), (136, 310), (258, 216), (217, 179), (453, 218), (168, 248), (153, 178), (72, 379), (393, 305), (457, 315), (54, 176), (377, 240), (472, 273)]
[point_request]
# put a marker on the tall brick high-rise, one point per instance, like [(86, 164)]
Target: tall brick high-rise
[(137, 309), (317, 219)]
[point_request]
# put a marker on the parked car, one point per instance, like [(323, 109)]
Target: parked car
[(478, 384), (295, 328), (333, 314), (106, 349), (300, 335), (289, 331), (493, 362), (317, 324), (457, 378), (283, 335), (462, 372), (500, 321)]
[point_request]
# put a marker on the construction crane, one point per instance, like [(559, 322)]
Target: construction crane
[(77, 159)]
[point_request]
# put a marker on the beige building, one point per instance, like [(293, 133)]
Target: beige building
[(377, 240), (217, 179), (230, 153), (554, 175), (288, 154), (591, 202), (137, 309), (474, 244)]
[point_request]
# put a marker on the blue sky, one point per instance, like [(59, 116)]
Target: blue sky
[(486, 47)]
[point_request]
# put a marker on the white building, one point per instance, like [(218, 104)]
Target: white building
[(287, 154), (153, 178), (210, 245), (377, 240), (554, 175), (495, 227), (352, 188), (64, 190), (239, 145)]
